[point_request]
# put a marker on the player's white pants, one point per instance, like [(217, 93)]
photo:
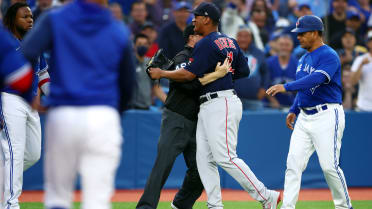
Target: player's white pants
[(321, 132), (86, 141), (21, 144), (216, 138)]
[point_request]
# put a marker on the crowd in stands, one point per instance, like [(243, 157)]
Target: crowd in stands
[(262, 30)]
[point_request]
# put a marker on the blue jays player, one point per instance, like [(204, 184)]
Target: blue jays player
[(321, 119), (92, 76), (21, 135), (220, 110), (16, 73)]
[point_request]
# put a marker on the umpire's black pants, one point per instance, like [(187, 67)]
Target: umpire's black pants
[(177, 135)]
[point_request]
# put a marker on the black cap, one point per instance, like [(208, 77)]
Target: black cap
[(189, 30), (209, 10)]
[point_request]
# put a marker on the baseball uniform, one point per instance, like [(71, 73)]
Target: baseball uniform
[(321, 119), (219, 117), (92, 75), (21, 135), (17, 74)]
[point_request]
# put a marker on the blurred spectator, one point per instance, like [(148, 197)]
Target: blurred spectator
[(281, 27), (364, 8), (138, 14), (171, 35), (349, 50), (335, 21), (282, 69), (353, 22), (251, 90), (362, 73), (231, 20), (261, 23), (145, 87), (149, 30), (318, 7), (155, 12), (349, 95), (116, 11), (41, 6)]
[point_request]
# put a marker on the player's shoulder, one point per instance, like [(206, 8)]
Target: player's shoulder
[(327, 51), (7, 42)]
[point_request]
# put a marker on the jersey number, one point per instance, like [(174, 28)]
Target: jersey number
[(230, 56)]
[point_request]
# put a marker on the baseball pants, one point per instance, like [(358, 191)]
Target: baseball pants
[(216, 139), (321, 132), (21, 144), (177, 135), (82, 140)]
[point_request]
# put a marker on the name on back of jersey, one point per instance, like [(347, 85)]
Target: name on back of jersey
[(224, 42)]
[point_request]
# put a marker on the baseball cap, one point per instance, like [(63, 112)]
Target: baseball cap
[(352, 15), (308, 23), (147, 24), (209, 10), (189, 30), (300, 6), (181, 5), (349, 30)]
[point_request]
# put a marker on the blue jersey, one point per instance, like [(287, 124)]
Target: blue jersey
[(91, 59), (323, 60), (12, 64), (213, 48), (39, 66)]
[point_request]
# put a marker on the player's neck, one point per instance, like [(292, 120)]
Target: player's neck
[(317, 43), (209, 30)]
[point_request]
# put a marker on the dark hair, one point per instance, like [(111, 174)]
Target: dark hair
[(10, 15), (140, 35), (320, 33), (136, 2)]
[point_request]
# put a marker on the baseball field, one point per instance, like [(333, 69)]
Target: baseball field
[(234, 199)]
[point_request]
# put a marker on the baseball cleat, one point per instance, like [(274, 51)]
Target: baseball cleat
[(273, 201), (173, 206)]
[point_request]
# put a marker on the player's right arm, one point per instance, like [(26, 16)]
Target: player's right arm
[(15, 71)]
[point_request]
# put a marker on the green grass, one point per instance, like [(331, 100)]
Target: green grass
[(228, 205)]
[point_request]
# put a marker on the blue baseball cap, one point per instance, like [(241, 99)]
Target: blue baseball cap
[(208, 10), (352, 15), (181, 5), (308, 23)]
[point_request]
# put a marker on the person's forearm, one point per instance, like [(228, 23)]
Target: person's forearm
[(355, 76), (306, 82), (179, 75), (210, 77)]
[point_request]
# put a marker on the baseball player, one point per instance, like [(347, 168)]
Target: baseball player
[(16, 73), (321, 119), (92, 76), (21, 135), (220, 110), (178, 134)]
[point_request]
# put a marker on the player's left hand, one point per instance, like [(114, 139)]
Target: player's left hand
[(278, 88), (155, 73)]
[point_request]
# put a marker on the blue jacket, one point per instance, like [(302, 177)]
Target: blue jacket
[(91, 55)]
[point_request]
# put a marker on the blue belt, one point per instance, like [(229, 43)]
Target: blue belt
[(314, 111)]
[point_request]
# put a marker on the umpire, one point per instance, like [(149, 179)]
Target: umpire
[(177, 135)]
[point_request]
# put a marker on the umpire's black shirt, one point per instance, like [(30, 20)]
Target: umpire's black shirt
[(183, 97)]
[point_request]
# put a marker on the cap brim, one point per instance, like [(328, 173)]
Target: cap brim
[(300, 30)]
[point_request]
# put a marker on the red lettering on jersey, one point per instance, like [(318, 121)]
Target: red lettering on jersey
[(231, 44), (218, 44), (224, 42), (191, 59)]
